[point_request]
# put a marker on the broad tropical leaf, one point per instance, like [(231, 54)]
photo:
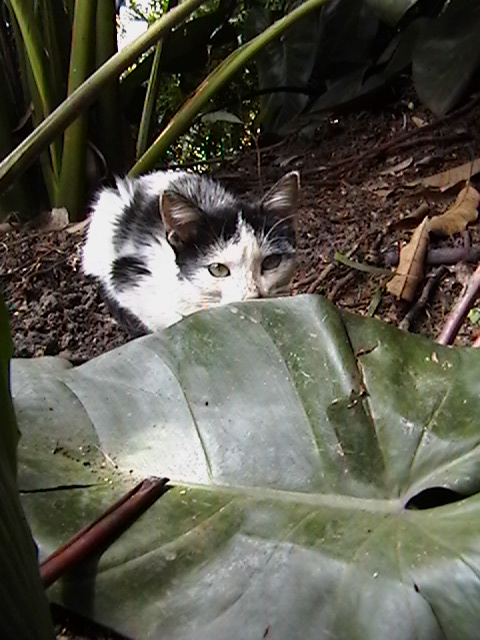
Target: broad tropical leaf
[(447, 56), (284, 63), (305, 447), (391, 11)]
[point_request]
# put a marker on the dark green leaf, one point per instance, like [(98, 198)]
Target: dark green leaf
[(23, 606), (391, 11), (447, 56), (287, 63), (303, 445)]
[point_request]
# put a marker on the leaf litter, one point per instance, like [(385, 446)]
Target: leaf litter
[(348, 205)]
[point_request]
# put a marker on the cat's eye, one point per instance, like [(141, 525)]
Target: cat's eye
[(271, 262), (218, 270)]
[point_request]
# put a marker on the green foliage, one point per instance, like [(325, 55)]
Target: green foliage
[(326, 471), (90, 104), (23, 606)]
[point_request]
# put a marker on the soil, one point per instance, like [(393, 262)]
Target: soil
[(357, 173)]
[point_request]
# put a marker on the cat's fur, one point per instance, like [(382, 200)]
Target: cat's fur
[(170, 243)]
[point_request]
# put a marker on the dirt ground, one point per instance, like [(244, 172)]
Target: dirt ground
[(360, 174), (355, 177)]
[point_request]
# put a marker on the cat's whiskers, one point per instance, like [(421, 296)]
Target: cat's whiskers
[(129, 245)]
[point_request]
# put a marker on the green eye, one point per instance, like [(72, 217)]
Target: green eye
[(271, 262), (218, 270)]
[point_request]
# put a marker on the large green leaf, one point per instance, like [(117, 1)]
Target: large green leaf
[(391, 11), (303, 444), (447, 56), (284, 63), (23, 606)]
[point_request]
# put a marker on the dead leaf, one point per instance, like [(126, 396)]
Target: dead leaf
[(456, 218), (413, 220), (400, 166), (447, 179), (418, 122), (409, 272), (77, 227)]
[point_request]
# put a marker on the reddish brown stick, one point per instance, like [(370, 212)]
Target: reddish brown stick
[(460, 310), (93, 538)]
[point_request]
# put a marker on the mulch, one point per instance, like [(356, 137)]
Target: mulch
[(355, 173)]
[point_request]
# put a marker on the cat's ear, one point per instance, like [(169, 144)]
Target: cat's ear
[(180, 217), (282, 198)]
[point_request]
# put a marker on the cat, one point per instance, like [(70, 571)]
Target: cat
[(169, 243)]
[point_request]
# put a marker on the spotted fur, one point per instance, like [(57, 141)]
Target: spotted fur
[(170, 243)]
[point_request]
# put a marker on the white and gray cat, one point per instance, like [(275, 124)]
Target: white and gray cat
[(170, 243)]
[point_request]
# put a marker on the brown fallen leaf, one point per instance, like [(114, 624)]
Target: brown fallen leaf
[(457, 217), (447, 179), (397, 168), (409, 272), (413, 220), (418, 122)]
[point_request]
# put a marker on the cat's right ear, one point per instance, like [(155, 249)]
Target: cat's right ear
[(282, 198), (180, 217)]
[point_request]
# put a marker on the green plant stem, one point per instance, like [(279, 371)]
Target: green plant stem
[(212, 83), (71, 191), (32, 41), (27, 151), (109, 130), (149, 104), (35, 66)]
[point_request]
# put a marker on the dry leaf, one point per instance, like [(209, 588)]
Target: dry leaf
[(379, 187), (413, 220), (463, 211), (396, 168), (77, 227), (448, 179), (418, 122), (409, 272)]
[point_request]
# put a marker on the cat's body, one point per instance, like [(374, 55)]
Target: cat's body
[(170, 243)]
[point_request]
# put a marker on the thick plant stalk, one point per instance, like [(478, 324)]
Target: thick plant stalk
[(32, 41), (214, 81), (55, 21), (149, 104), (109, 115), (27, 151), (71, 191), (35, 67)]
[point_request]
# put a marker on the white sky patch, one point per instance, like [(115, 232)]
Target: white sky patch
[(130, 25)]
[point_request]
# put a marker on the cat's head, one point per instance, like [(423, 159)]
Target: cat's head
[(227, 249)]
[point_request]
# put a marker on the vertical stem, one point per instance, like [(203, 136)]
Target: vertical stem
[(108, 131), (149, 104), (71, 192)]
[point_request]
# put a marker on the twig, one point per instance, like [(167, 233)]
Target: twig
[(431, 284), (460, 310), (94, 538), (436, 257), (259, 161), (404, 141), (342, 282)]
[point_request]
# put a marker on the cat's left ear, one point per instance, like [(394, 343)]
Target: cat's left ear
[(180, 217), (282, 199)]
